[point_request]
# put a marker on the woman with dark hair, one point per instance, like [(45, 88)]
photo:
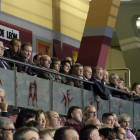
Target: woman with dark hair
[(24, 116), (107, 134), (136, 88)]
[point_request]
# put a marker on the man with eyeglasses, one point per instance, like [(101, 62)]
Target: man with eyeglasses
[(45, 62), (24, 56), (7, 128)]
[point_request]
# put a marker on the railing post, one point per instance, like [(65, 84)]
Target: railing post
[(15, 76), (51, 94), (109, 104), (132, 99)]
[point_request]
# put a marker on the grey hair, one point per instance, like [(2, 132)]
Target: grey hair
[(5, 121), (123, 117), (20, 133), (76, 66), (1, 90), (86, 67), (87, 107), (96, 68), (112, 75)]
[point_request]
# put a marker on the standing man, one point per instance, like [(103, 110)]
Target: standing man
[(14, 48)]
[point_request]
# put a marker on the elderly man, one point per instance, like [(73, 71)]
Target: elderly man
[(124, 120), (89, 112), (74, 118), (14, 48), (108, 119), (45, 62), (105, 77), (26, 133), (7, 128), (54, 119), (24, 56), (66, 133), (87, 73), (120, 133), (69, 59)]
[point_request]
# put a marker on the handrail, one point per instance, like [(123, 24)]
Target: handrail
[(128, 70), (45, 69)]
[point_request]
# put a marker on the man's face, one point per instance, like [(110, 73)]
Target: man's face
[(31, 135), (7, 134), (105, 76), (99, 74), (46, 62), (55, 119), (138, 89), (94, 135), (57, 65), (16, 47), (37, 61), (121, 85), (87, 73), (91, 113), (115, 80), (77, 115), (109, 121), (125, 124), (121, 134), (71, 135), (79, 71), (26, 52), (2, 97), (1, 50)]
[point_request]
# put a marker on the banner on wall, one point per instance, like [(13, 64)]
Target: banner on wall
[(8, 33)]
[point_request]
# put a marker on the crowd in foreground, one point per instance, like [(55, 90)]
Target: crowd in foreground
[(78, 125)]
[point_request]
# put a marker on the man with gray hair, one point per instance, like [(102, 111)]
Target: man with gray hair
[(7, 128), (124, 120), (26, 133)]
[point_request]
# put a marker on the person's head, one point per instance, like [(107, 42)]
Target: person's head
[(26, 50), (89, 132), (69, 59), (105, 76), (107, 134), (65, 66), (1, 48), (124, 120), (114, 79), (54, 119), (56, 63), (47, 134), (66, 133), (36, 59), (24, 116), (98, 73), (15, 45), (2, 95), (94, 122), (78, 69), (87, 72), (108, 119), (116, 124), (119, 133), (45, 61), (7, 128), (34, 124), (26, 133), (136, 87), (42, 119), (89, 111), (121, 83), (75, 114)]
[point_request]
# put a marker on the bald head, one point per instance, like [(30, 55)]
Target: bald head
[(45, 61), (93, 121)]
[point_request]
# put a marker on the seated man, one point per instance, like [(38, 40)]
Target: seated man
[(121, 85), (74, 118), (26, 133), (3, 63), (14, 48), (45, 62), (54, 119), (89, 112), (7, 128), (120, 133), (124, 120), (94, 122), (66, 133), (105, 77), (108, 119), (24, 56), (89, 132), (3, 104)]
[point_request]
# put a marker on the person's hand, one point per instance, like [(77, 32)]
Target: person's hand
[(2, 99), (134, 93), (3, 106)]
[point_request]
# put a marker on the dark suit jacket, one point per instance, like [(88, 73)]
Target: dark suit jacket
[(8, 53), (93, 80), (4, 114)]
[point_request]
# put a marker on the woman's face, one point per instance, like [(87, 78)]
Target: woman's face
[(66, 67), (138, 89), (42, 120)]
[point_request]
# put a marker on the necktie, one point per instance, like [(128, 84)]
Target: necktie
[(3, 64)]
